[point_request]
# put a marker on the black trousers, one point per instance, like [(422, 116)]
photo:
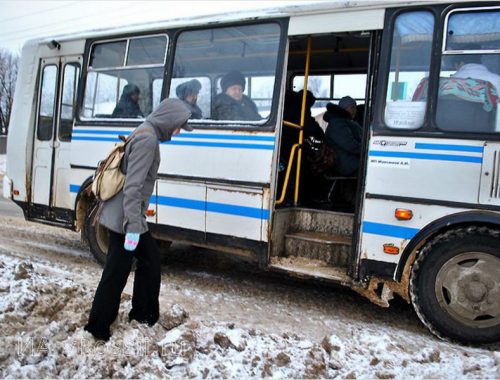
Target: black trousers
[(145, 305)]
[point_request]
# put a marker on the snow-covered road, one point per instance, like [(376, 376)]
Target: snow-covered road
[(241, 323)]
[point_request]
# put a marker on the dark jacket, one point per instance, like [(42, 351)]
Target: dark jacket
[(125, 212), (343, 135), (227, 108), (126, 107), (196, 112)]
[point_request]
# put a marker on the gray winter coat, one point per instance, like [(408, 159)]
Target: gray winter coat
[(126, 211)]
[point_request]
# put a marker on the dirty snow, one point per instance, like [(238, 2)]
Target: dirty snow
[(219, 319)]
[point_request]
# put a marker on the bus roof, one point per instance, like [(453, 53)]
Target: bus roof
[(211, 19)]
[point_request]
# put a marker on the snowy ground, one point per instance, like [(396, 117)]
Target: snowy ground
[(220, 319), (3, 164)]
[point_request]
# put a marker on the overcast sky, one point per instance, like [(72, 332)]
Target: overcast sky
[(23, 20)]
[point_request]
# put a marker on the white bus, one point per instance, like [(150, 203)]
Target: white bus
[(426, 219)]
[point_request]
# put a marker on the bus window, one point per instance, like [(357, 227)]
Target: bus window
[(469, 85), (241, 58), (122, 77), (331, 88), (409, 70), (71, 74), (47, 103)]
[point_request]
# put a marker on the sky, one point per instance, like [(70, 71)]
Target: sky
[(23, 20)]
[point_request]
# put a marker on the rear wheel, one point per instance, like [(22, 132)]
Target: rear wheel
[(455, 285), (97, 235)]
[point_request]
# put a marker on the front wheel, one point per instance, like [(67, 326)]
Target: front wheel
[(97, 235), (455, 285)]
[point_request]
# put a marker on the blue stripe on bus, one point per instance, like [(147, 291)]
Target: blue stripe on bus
[(220, 208), (182, 135), (458, 148), (188, 143), (427, 156), (389, 230)]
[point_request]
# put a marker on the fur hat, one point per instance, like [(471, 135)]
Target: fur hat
[(188, 88), (232, 78), (347, 102)]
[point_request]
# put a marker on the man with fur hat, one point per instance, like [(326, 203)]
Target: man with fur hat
[(188, 92), (232, 104)]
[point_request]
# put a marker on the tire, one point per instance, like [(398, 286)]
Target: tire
[(97, 236), (455, 285)]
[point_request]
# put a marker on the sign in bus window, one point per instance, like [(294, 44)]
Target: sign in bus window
[(240, 63), (124, 78), (469, 83), (410, 65)]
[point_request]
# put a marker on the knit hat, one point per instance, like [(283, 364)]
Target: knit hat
[(188, 88), (347, 102), (232, 78)]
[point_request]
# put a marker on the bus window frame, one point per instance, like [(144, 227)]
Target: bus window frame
[(110, 122), (225, 125), (429, 128)]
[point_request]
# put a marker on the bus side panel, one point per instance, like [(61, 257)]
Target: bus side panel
[(20, 140), (407, 168)]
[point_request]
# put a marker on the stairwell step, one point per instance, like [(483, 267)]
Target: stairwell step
[(331, 249)]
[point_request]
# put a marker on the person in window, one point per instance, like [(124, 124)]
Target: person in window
[(232, 104), (343, 135), (188, 92), (470, 66), (128, 106)]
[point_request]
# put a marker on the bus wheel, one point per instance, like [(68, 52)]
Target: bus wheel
[(97, 236), (455, 285)]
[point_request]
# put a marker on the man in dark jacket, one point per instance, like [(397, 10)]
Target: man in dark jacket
[(188, 92), (232, 104), (124, 216), (343, 135), (128, 106)]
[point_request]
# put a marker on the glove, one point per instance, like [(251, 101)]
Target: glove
[(131, 241)]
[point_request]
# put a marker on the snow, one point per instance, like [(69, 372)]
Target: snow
[(230, 324)]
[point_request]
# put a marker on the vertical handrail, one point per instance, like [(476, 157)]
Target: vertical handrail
[(287, 175), (302, 119)]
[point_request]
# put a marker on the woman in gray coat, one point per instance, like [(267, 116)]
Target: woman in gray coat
[(124, 216)]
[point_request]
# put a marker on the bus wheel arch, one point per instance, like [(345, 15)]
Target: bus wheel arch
[(453, 284)]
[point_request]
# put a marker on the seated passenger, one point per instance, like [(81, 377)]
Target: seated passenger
[(188, 92), (470, 66), (343, 135), (231, 104), (128, 106)]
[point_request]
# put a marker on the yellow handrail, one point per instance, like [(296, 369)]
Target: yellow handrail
[(302, 119), (287, 176), (290, 124)]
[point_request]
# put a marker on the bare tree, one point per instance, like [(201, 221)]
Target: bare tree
[(9, 64)]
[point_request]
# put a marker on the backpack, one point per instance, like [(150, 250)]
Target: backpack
[(322, 161), (109, 178)]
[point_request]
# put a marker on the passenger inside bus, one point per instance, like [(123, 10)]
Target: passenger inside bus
[(470, 66), (188, 92), (232, 104), (128, 106)]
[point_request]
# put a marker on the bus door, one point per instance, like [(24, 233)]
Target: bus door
[(51, 152)]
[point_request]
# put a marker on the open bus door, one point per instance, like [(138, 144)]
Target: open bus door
[(51, 151)]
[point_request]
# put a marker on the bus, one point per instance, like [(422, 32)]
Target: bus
[(418, 219)]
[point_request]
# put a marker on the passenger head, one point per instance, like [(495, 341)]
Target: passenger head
[(349, 104), (188, 91), (310, 98), (131, 92), (233, 84)]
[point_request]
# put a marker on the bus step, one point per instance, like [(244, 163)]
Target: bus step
[(310, 269), (332, 249)]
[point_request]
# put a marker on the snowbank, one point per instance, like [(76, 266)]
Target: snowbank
[(43, 309)]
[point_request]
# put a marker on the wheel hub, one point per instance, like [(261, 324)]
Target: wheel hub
[(475, 291), (467, 287)]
